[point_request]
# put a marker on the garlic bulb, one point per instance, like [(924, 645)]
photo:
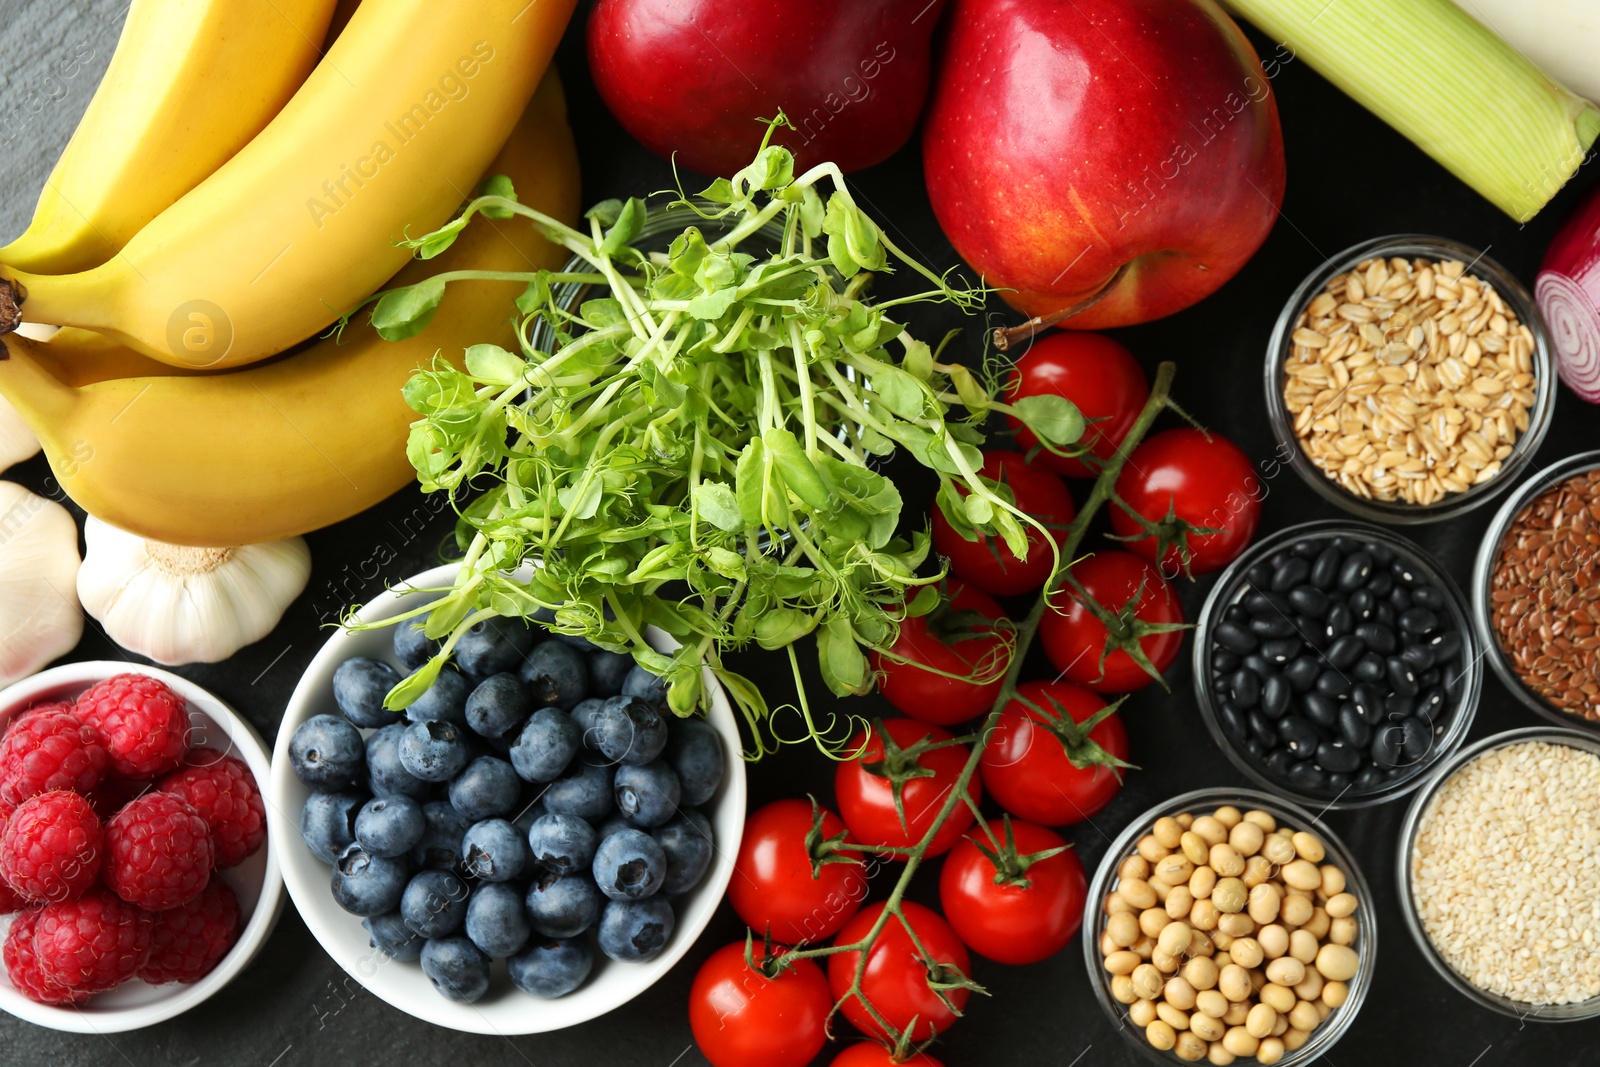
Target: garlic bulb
[(39, 617), (187, 605)]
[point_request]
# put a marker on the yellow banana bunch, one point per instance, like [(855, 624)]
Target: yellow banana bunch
[(191, 82), (389, 133), (306, 440)]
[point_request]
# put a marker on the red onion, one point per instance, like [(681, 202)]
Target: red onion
[(1568, 292)]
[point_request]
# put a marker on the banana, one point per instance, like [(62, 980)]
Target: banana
[(341, 19), (390, 131), (191, 82), (290, 446)]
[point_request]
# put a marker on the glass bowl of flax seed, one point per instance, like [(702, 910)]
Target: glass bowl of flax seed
[(1409, 379), (1536, 592)]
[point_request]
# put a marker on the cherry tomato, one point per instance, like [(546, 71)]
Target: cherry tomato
[(872, 1054), (739, 1016), (896, 978), (1040, 764), (1094, 372), (1076, 640), (866, 800), (987, 563), (773, 886), (1030, 918), (935, 669), (1199, 479)]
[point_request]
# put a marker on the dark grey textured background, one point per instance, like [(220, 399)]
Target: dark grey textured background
[(1350, 179)]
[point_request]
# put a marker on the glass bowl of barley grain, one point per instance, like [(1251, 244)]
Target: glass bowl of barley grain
[(1499, 869), (1409, 379), (1535, 593)]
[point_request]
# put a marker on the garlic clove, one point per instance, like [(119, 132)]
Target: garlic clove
[(39, 616), (175, 604)]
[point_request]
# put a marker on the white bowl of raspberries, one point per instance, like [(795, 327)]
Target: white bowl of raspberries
[(532, 843), (136, 874)]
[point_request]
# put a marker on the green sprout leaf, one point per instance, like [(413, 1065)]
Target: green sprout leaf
[(403, 313)]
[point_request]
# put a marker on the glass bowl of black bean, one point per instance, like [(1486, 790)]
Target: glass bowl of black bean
[(1334, 663)]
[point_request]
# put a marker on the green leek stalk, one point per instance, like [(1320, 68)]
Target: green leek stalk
[(1453, 88)]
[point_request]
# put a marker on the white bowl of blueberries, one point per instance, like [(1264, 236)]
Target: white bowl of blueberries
[(532, 843)]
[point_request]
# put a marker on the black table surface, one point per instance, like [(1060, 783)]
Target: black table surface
[(1350, 178)]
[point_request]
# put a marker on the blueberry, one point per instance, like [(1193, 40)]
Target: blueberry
[(390, 935), (694, 750), (532, 811), (493, 646), (433, 751), (687, 844), (359, 686), (607, 672), (584, 790), (440, 846), (496, 921), (646, 685), (546, 745), (364, 884), (493, 851), (486, 787), (551, 968), (612, 825), (647, 795), (328, 823), (390, 826), (443, 701), (557, 673), (585, 714), (457, 969), (434, 904), (629, 865), (562, 906), (412, 647), (630, 730), (562, 843), (327, 753), (634, 931), (386, 775), (498, 707)]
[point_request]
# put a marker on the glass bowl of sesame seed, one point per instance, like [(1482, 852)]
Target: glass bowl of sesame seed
[(1498, 876), (1410, 379), (1535, 602)]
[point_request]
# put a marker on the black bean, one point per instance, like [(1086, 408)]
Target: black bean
[(1385, 615), (1386, 741), (1325, 571), (1308, 627), (1404, 572), (1291, 573), (1419, 657), (1339, 621), (1302, 673), (1339, 782), (1233, 721), (1369, 668), (1338, 756), (1223, 661), (1400, 599), (1219, 685), (1402, 679), (1259, 603), (1344, 651), (1277, 762), (1429, 677), (1237, 613), (1253, 748), (1427, 596), (1397, 707), (1446, 646), (1275, 694), (1382, 555), (1298, 735), (1368, 779), (1307, 549), (1361, 602), (1246, 686), (1431, 704), (1400, 773), (1231, 635), (1305, 775), (1255, 661), (1309, 600), (1272, 626), (1381, 584), (1345, 545), (1324, 711), (1418, 621), (1369, 703), (1281, 650), (1353, 728), (1356, 570), (1333, 684), (1416, 739), (1376, 636), (1262, 729), (1259, 575)]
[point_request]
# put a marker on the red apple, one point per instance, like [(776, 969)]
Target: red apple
[(693, 76), (1068, 141)]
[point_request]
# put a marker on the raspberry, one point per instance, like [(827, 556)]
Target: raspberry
[(222, 789), (114, 794), (22, 966), (37, 709), (10, 899), (51, 848), (158, 852), (91, 944), (192, 939), (50, 750), (145, 725)]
